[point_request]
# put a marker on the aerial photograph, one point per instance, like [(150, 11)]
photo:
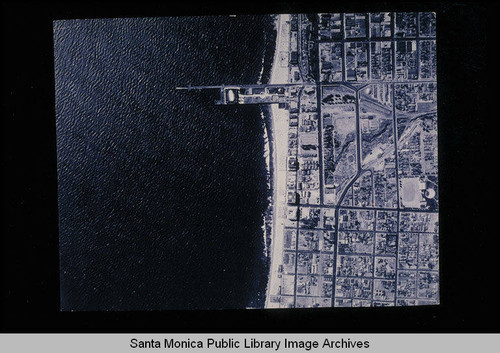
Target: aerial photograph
[(247, 161)]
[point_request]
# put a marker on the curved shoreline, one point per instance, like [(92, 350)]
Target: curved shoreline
[(267, 225)]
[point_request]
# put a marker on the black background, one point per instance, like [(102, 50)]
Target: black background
[(467, 45)]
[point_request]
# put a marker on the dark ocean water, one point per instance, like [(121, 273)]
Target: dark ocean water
[(161, 192)]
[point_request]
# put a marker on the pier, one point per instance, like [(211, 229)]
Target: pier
[(249, 94)]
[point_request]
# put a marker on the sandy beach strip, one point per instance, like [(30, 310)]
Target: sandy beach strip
[(279, 125)]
